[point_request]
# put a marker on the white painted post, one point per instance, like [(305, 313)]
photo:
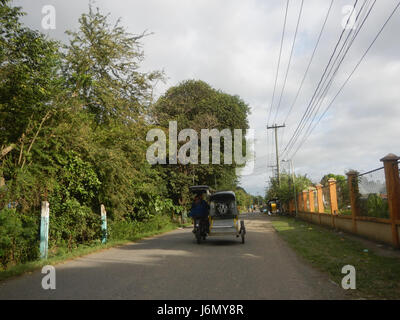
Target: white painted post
[(103, 224), (44, 229)]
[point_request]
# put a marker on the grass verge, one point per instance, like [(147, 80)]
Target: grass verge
[(377, 277), (81, 250)]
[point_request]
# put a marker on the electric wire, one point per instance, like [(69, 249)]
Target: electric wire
[(308, 66), (328, 86), (279, 61), (319, 83), (356, 67), (290, 59), (321, 93)]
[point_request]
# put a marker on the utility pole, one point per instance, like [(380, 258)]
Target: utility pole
[(276, 127)]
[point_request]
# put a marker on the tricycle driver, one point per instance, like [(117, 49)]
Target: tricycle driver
[(199, 211)]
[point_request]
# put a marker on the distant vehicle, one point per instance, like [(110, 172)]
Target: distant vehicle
[(274, 206)]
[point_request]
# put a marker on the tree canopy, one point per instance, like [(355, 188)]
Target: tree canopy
[(284, 190), (195, 104), (73, 124)]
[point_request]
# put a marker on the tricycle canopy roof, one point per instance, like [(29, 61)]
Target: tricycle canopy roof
[(223, 196), (199, 189)]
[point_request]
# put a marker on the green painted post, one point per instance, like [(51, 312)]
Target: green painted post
[(103, 224), (44, 230)]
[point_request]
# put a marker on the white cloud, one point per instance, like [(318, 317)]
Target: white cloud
[(234, 44)]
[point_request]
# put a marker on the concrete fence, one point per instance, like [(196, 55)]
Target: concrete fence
[(313, 206)]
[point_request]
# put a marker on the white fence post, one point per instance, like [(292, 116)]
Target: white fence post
[(44, 229), (103, 224)]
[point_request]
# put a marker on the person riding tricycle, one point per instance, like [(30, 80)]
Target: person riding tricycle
[(199, 213)]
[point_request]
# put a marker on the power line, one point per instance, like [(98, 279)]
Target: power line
[(354, 69), (279, 61), (321, 93), (311, 59), (319, 83), (308, 66), (306, 114), (318, 105), (290, 59)]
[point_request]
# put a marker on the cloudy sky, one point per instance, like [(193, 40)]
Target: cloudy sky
[(234, 45)]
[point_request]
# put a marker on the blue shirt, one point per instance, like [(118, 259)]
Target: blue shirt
[(199, 210)]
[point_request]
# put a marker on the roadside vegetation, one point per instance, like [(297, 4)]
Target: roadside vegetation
[(284, 189), (120, 234), (73, 123), (377, 276)]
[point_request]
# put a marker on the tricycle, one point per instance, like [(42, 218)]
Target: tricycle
[(222, 218)]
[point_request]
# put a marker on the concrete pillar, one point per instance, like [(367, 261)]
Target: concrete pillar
[(300, 201), (391, 166), (311, 199), (353, 190), (320, 198), (290, 206), (333, 196), (305, 193)]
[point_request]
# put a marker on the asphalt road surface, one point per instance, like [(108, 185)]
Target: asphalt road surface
[(174, 266)]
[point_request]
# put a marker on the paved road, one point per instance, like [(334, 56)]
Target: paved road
[(173, 266)]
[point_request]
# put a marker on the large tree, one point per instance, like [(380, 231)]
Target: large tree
[(72, 125), (196, 105), (30, 85), (102, 65), (32, 99)]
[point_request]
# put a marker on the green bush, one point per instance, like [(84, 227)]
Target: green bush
[(377, 207), (73, 224), (130, 230), (374, 206), (19, 238), (72, 203)]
